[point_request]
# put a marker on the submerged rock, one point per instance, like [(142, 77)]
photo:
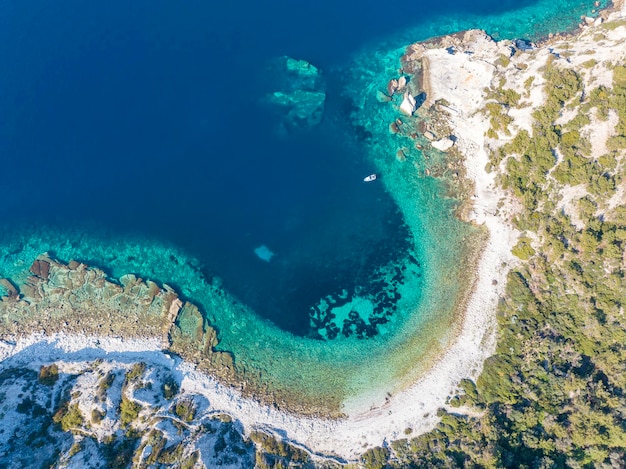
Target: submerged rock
[(300, 93), (12, 292), (264, 253), (382, 97), (401, 155)]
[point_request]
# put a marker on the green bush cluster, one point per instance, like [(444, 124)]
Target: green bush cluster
[(68, 416), (156, 439), (272, 452), (118, 453), (104, 384), (500, 101), (48, 374), (531, 157), (503, 60), (590, 63), (528, 83), (173, 455), (375, 458), (170, 388), (499, 119), (129, 411), (135, 372), (185, 409), (553, 395), (523, 249)]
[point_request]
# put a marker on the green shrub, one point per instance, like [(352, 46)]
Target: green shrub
[(503, 60), (104, 384), (608, 162), (190, 461), (75, 449), (157, 440), (274, 447), (619, 76), (616, 142), (185, 410), (468, 386), (523, 249), (68, 416), (571, 138), (578, 122), (458, 401), (136, 371), (375, 458), (170, 388), (562, 85), (129, 411), (48, 375), (528, 83), (590, 63), (118, 454)]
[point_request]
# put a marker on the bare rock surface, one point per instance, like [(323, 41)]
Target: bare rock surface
[(409, 105)]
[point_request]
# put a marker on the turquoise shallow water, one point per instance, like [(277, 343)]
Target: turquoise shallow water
[(424, 241)]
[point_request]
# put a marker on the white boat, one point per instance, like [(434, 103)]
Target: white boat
[(370, 178)]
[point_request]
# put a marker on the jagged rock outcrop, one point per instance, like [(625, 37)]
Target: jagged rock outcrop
[(409, 105), (111, 413), (443, 144), (395, 85), (76, 298), (193, 338)]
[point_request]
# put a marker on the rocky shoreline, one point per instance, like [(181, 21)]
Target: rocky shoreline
[(76, 299)]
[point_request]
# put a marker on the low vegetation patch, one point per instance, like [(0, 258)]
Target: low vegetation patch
[(68, 416), (49, 374), (129, 411)]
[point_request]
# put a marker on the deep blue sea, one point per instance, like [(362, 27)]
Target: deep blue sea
[(146, 120), (145, 117)]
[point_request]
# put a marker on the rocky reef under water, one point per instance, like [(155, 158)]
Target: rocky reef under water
[(360, 312), (75, 298), (299, 94)]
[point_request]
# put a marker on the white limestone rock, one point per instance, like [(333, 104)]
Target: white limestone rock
[(408, 105), (443, 144)]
